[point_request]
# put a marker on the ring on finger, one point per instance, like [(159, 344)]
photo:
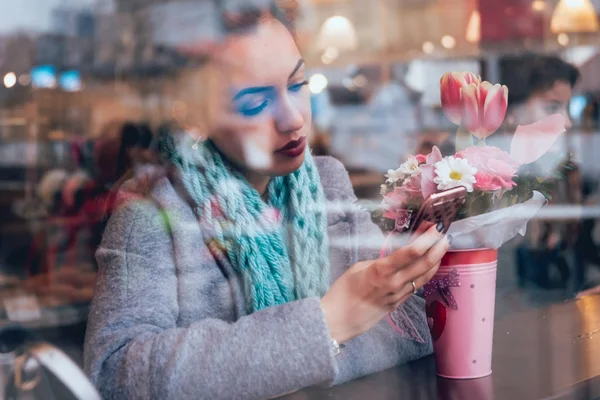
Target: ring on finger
[(414, 287)]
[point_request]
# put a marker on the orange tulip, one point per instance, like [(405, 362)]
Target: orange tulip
[(483, 108), (450, 86)]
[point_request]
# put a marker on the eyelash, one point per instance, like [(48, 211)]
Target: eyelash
[(253, 111), (297, 87)]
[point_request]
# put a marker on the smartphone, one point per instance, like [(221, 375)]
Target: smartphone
[(440, 207)]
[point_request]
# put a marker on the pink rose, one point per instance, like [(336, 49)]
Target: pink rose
[(402, 220), (487, 182), (413, 186), (495, 168), (421, 158), (395, 200)]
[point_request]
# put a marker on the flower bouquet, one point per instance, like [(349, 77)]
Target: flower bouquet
[(504, 192)]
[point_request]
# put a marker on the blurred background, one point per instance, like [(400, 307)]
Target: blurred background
[(86, 87)]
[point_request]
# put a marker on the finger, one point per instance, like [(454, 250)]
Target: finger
[(422, 267), (395, 299), (427, 276), (407, 288), (428, 239), (401, 301), (409, 254), (405, 292), (422, 228), (432, 259), (394, 282), (393, 303)]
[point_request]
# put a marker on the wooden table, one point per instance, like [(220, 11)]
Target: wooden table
[(547, 353)]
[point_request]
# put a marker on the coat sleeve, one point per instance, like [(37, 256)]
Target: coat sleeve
[(382, 347), (135, 350)]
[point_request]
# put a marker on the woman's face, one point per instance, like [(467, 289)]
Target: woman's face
[(259, 111), (543, 104)]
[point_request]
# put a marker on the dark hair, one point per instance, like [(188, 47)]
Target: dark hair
[(245, 17), (133, 135), (529, 74), (146, 136), (130, 137)]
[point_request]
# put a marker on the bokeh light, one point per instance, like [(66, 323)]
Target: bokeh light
[(10, 79), (317, 83)]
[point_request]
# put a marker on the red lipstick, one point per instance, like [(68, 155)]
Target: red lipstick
[(294, 148)]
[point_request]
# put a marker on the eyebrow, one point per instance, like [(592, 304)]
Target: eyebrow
[(252, 90), (300, 64)]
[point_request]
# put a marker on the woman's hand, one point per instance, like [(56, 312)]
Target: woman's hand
[(369, 290)]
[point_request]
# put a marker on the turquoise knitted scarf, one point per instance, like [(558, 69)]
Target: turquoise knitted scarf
[(279, 247)]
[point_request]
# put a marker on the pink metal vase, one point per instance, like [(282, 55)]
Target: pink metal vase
[(460, 313)]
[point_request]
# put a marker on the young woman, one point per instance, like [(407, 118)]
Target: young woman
[(241, 275), (540, 86)]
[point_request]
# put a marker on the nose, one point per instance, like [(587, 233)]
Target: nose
[(288, 117)]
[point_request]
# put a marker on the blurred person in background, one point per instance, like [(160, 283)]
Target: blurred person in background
[(121, 149), (233, 278), (144, 155), (63, 192), (122, 152), (539, 86)]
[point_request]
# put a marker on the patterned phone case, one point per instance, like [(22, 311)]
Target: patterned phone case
[(441, 207)]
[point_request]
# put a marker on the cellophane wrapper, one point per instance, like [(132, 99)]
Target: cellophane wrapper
[(491, 230)]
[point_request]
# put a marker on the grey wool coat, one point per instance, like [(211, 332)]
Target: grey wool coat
[(167, 319)]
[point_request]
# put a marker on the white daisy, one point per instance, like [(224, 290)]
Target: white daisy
[(394, 176), (453, 172), (410, 167)]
